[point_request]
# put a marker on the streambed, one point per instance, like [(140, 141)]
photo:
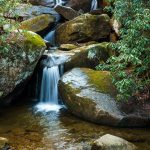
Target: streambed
[(28, 129)]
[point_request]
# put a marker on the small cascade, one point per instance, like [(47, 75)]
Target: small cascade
[(50, 37), (94, 5), (49, 99)]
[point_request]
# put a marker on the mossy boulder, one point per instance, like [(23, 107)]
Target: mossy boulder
[(85, 27), (17, 65), (90, 95), (80, 56), (38, 23), (3, 142)]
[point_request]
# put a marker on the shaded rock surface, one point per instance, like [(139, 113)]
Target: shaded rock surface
[(110, 142), (90, 95), (84, 5), (49, 3), (18, 65), (67, 12), (83, 28), (38, 23)]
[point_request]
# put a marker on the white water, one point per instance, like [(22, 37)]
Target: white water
[(59, 2), (49, 87), (94, 5), (51, 37)]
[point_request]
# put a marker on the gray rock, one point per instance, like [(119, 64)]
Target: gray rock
[(110, 142)]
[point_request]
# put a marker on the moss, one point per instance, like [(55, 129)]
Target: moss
[(101, 80), (38, 23), (33, 40)]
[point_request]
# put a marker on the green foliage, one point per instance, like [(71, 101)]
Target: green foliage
[(131, 68), (6, 9)]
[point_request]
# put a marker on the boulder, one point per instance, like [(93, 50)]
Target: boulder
[(90, 95), (111, 142), (67, 12), (85, 27), (3, 142), (38, 23), (17, 65), (80, 56), (84, 5)]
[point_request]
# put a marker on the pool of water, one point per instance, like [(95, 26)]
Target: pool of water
[(29, 129)]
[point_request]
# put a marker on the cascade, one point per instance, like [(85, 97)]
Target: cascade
[(94, 5), (58, 2), (48, 98), (50, 37)]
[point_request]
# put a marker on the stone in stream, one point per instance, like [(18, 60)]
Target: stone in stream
[(90, 95), (38, 23), (47, 3), (67, 12), (84, 28), (18, 64), (111, 142)]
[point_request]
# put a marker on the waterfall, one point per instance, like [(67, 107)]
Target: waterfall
[(58, 2), (49, 87), (94, 5)]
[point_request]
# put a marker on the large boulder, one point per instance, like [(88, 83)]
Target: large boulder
[(84, 5), (91, 95), (67, 12), (17, 64), (85, 27), (111, 142), (38, 23)]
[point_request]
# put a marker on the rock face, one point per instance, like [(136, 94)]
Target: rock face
[(67, 12), (17, 65), (38, 23), (83, 28), (90, 95), (110, 142), (84, 5), (3, 142)]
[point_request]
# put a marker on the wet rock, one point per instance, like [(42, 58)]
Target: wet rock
[(90, 95), (38, 23), (110, 142), (67, 47), (67, 12), (3, 142), (17, 65), (84, 5), (83, 28)]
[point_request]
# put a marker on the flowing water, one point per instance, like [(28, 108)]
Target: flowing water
[(94, 5), (29, 129)]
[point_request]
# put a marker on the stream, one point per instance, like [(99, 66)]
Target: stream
[(29, 129)]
